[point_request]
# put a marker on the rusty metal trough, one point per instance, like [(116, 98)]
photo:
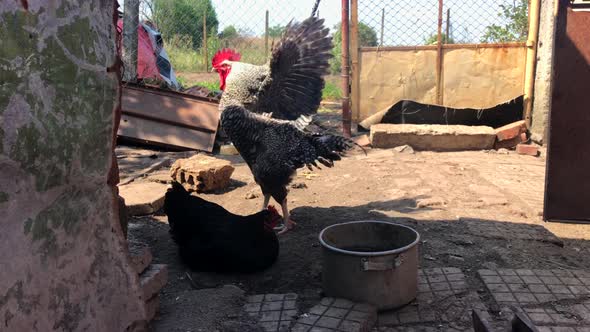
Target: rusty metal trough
[(168, 118)]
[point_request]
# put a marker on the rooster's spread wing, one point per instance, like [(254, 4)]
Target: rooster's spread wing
[(298, 64)]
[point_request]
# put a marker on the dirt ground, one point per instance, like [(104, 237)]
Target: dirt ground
[(473, 210)]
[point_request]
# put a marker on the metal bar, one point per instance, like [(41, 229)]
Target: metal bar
[(266, 36), (382, 24), (204, 46), (130, 25), (346, 116), (439, 54), (354, 46), (531, 59), (444, 46)]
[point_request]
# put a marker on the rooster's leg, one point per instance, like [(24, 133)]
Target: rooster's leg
[(287, 222), (266, 200)]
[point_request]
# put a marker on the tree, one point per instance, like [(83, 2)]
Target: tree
[(229, 32), (367, 38), (433, 39), (184, 18), (276, 31), (516, 28)]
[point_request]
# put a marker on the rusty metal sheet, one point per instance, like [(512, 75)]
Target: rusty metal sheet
[(567, 192), (168, 118)]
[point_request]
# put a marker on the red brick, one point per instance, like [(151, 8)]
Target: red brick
[(510, 143), (511, 131), (526, 149)]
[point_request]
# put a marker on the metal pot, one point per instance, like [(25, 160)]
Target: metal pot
[(372, 262)]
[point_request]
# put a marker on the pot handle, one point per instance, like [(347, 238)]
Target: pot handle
[(369, 264)]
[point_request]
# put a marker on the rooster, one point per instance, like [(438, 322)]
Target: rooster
[(290, 86), (212, 239), (265, 108)]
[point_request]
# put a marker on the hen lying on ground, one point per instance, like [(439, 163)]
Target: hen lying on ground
[(212, 239)]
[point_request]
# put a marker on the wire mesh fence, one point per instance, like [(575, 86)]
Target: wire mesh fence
[(187, 33), (415, 22)]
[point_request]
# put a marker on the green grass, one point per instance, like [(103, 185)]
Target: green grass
[(185, 59), (331, 92)]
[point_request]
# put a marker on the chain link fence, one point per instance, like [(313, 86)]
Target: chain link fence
[(415, 22), (190, 32)]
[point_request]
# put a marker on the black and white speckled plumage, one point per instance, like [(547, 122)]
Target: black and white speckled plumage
[(291, 84), (275, 149)]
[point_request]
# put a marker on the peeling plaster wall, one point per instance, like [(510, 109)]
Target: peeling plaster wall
[(63, 259)]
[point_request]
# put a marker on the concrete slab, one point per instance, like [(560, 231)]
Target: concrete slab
[(337, 315), (275, 312), (524, 286), (433, 137), (443, 296), (160, 176), (554, 300), (143, 198)]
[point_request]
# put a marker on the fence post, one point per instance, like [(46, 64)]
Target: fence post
[(447, 35), (382, 24), (130, 25), (266, 36), (346, 116), (531, 59), (439, 55), (354, 47), (204, 44)]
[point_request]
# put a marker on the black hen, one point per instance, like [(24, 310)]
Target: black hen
[(212, 239)]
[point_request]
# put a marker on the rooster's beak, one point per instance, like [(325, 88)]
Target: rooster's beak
[(213, 69)]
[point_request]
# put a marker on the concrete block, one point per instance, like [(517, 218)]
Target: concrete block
[(153, 279), (433, 137), (140, 255), (143, 198)]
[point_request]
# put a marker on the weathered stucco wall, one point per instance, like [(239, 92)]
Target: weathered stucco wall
[(544, 71), (471, 77), (63, 261)]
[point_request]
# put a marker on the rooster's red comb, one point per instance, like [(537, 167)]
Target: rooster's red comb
[(225, 54)]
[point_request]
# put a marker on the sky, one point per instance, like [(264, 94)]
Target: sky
[(407, 22)]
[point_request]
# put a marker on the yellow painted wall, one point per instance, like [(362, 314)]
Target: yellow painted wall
[(472, 77)]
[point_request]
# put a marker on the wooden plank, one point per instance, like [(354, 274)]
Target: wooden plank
[(165, 134), (171, 108)]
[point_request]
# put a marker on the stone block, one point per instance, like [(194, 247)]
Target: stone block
[(433, 137), (143, 198)]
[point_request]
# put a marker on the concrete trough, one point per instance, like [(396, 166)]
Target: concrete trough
[(433, 137)]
